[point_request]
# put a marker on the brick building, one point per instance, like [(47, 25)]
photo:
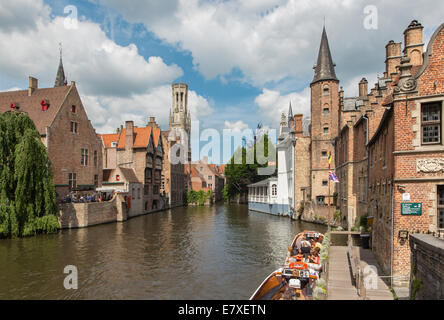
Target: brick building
[(60, 117), (141, 150), (407, 152), (205, 176), (389, 151), (173, 174)]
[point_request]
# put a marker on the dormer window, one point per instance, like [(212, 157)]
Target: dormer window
[(73, 109), (114, 144)]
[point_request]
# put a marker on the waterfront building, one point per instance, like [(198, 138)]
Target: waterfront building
[(59, 115), (139, 149), (389, 151), (205, 176), (124, 181), (276, 194), (173, 174)]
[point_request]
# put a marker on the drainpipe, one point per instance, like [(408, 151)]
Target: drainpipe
[(393, 235), (368, 158)]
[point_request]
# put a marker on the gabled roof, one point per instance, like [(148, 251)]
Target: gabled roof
[(32, 104), (109, 138), (141, 137), (325, 68), (156, 136), (128, 175)]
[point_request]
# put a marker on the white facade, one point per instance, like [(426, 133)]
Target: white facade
[(275, 195)]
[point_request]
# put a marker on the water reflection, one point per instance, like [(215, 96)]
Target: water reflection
[(222, 252)]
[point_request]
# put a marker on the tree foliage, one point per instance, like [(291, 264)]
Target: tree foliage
[(27, 192), (199, 197), (240, 175)]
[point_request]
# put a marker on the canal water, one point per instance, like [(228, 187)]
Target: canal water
[(219, 252)]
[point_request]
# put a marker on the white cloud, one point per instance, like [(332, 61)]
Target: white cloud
[(20, 15), (270, 41), (116, 83), (272, 104), (108, 113), (237, 126)]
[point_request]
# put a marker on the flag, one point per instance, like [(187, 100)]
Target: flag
[(332, 177), (329, 158)]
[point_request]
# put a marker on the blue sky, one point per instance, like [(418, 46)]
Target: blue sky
[(244, 60)]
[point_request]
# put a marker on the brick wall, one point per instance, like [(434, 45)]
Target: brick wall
[(427, 261), (78, 215)]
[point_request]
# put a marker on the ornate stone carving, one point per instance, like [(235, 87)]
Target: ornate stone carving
[(406, 81), (429, 165)]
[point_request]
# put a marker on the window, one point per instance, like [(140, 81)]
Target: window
[(73, 127), (117, 177), (324, 154), (326, 90), (84, 157), (156, 189), (204, 184), (274, 190), (210, 178), (431, 123), (440, 207), (73, 109), (320, 200), (96, 180), (133, 194), (325, 130), (324, 183), (326, 111), (72, 181), (95, 158)]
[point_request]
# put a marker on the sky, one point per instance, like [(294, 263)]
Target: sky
[(244, 60)]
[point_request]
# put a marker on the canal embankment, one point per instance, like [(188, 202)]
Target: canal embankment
[(353, 271)]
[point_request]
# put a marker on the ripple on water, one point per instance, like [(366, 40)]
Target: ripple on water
[(222, 252)]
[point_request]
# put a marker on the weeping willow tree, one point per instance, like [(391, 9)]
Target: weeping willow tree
[(27, 192)]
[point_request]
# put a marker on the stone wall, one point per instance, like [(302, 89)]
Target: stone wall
[(427, 261), (79, 215)]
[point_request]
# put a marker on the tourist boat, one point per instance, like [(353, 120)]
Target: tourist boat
[(296, 280)]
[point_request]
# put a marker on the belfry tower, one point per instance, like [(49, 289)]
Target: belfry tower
[(324, 121), (180, 117)]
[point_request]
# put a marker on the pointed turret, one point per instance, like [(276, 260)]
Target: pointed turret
[(325, 68), (60, 77), (290, 111), (290, 117)]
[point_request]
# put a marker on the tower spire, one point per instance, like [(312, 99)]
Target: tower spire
[(60, 77), (325, 68), (290, 111)]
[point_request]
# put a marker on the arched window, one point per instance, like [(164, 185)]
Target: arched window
[(274, 190)]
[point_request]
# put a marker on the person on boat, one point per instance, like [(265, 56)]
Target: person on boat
[(305, 247)]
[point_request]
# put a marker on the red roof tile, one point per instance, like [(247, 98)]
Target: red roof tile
[(141, 137), (108, 138)]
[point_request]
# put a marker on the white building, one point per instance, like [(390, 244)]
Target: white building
[(275, 195)]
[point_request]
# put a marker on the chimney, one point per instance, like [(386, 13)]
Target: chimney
[(129, 134), (33, 85), (298, 129), (363, 88), (152, 122), (413, 46), (392, 57)]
